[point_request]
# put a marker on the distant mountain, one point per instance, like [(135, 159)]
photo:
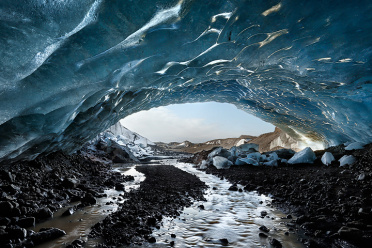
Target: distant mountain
[(190, 147), (275, 140), (267, 142)]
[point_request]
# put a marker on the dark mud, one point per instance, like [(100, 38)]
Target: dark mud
[(333, 204), (165, 191), (31, 191)]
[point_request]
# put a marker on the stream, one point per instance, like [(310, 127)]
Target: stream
[(78, 225), (231, 215)]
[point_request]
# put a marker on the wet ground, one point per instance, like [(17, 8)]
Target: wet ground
[(226, 219), (78, 225), (333, 203)]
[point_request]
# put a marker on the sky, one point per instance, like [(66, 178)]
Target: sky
[(195, 122)]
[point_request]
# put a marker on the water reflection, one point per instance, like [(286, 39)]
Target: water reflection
[(78, 225), (231, 215)]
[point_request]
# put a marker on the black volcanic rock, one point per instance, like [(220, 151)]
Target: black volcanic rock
[(47, 235), (165, 191)]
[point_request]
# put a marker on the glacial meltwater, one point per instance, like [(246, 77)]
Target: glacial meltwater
[(231, 215), (78, 225)]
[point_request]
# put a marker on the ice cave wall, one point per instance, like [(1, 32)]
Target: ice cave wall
[(70, 69)]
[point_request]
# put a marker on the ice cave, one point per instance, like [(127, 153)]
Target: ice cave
[(70, 69)]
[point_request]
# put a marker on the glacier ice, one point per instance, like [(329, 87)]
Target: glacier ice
[(354, 146), (138, 145), (221, 162), (71, 69), (222, 152), (248, 147), (203, 165), (304, 156), (327, 158), (271, 163), (347, 160), (244, 161)]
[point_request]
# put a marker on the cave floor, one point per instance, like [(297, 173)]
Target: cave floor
[(333, 203)]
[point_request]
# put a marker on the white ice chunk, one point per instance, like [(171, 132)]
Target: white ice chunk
[(305, 156), (221, 162), (355, 146), (327, 158), (347, 160), (284, 161), (203, 165)]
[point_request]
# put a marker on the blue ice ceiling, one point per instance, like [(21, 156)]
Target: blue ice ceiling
[(69, 69)]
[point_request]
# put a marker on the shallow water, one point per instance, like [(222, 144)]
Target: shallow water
[(78, 225), (227, 214)]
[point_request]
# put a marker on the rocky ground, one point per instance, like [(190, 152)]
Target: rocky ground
[(333, 204), (31, 191), (165, 191)]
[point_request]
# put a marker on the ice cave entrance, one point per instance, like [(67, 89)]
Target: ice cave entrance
[(195, 122)]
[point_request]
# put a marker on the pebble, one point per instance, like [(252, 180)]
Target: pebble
[(263, 213), (275, 243), (264, 229), (224, 241), (262, 235)]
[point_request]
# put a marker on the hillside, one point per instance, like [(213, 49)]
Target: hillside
[(267, 142)]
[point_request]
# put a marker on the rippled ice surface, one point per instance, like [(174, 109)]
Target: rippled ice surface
[(231, 215)]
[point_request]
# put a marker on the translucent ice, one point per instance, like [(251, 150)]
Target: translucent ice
[(327, 158), (244, 161), (354, 146), (221, 162), (271, 163), (219, 152), (248, 147), (347, 160), (305, 156), (71, 69)]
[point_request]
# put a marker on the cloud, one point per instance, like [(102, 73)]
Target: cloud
[(161, 124)]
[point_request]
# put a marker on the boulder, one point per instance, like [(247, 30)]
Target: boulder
[(26, 222), (70, 183), (6, 208), (89, 199), (44, 213), (47, 235)]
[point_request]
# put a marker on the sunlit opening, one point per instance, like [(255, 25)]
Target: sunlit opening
[(195, 122)]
